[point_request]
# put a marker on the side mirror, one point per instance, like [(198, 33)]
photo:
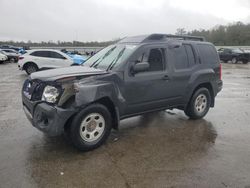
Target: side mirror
[(140, 67)]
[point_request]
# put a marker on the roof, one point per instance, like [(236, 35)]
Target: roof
[(159, 38), (33, 50)]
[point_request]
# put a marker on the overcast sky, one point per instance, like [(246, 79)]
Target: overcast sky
[(99, 20)]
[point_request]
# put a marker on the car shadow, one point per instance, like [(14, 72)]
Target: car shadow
[(155, 144)]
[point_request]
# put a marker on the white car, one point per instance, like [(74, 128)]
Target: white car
[(3, 57), (42, 59)]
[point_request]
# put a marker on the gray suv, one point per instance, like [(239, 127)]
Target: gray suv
[(135, 76)]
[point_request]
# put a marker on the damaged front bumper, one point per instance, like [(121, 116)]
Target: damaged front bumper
[(45, 117)]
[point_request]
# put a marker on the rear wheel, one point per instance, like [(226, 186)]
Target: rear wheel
[(245, 62), (30, 68), (199, 104), (12, 60), (91, 127)]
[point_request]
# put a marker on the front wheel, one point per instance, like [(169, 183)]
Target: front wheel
[(199, 104), (91, 127)]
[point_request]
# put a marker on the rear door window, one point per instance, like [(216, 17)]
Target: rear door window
[(41, 54), (190, 54), (179, 57)]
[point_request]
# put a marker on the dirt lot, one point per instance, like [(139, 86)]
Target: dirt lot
[(156, 150)]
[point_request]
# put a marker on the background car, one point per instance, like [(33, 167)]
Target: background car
[(234, 55), (76, 57), (3, 57), (42, 59), (17, 49), (11, 54)]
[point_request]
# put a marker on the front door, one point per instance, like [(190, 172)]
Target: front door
[(149, 90)]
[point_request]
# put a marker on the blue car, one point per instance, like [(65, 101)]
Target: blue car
[(78, 59)]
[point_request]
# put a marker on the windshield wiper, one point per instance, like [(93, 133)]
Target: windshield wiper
[(112, 64), (96, 63)]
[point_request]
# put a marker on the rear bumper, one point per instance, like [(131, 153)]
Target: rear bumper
[(220, 85), (48, 119)]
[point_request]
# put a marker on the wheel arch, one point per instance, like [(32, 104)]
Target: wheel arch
[(208, 86), (105, 101), (29, 63)]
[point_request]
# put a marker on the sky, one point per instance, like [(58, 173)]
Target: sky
[(102, 20)]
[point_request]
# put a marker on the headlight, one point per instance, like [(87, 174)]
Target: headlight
[(50, 94)]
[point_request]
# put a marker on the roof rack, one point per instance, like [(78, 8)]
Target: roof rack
[(186, 37), (158, 37), (180, 37)]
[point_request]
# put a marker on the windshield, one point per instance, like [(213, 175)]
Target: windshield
[(110, 56)]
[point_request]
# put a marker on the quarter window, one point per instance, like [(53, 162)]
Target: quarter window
[(56, 55), (208, 54)]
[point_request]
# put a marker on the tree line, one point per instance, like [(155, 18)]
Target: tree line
[(58, 43), (235, 34)]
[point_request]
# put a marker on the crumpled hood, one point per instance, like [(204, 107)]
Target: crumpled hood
[(54, 74)]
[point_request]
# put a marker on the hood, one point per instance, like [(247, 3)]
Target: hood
[(54, 74)]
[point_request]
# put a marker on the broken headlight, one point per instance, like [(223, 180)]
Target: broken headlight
[(50, 94)]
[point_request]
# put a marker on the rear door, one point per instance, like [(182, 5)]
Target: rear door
[(59, 60), (184, 61), (41, 58)]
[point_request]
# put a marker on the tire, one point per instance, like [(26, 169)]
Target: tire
[(12, 60), (245, 62), (30, 68), (199, 104), (91, 127)]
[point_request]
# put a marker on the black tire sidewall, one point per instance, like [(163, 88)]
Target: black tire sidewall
[(76, 123), (191, 112)]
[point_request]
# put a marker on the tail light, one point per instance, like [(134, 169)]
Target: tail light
[(20, 57), (220, 72)]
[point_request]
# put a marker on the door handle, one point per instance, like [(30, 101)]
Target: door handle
[(165, 77)]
